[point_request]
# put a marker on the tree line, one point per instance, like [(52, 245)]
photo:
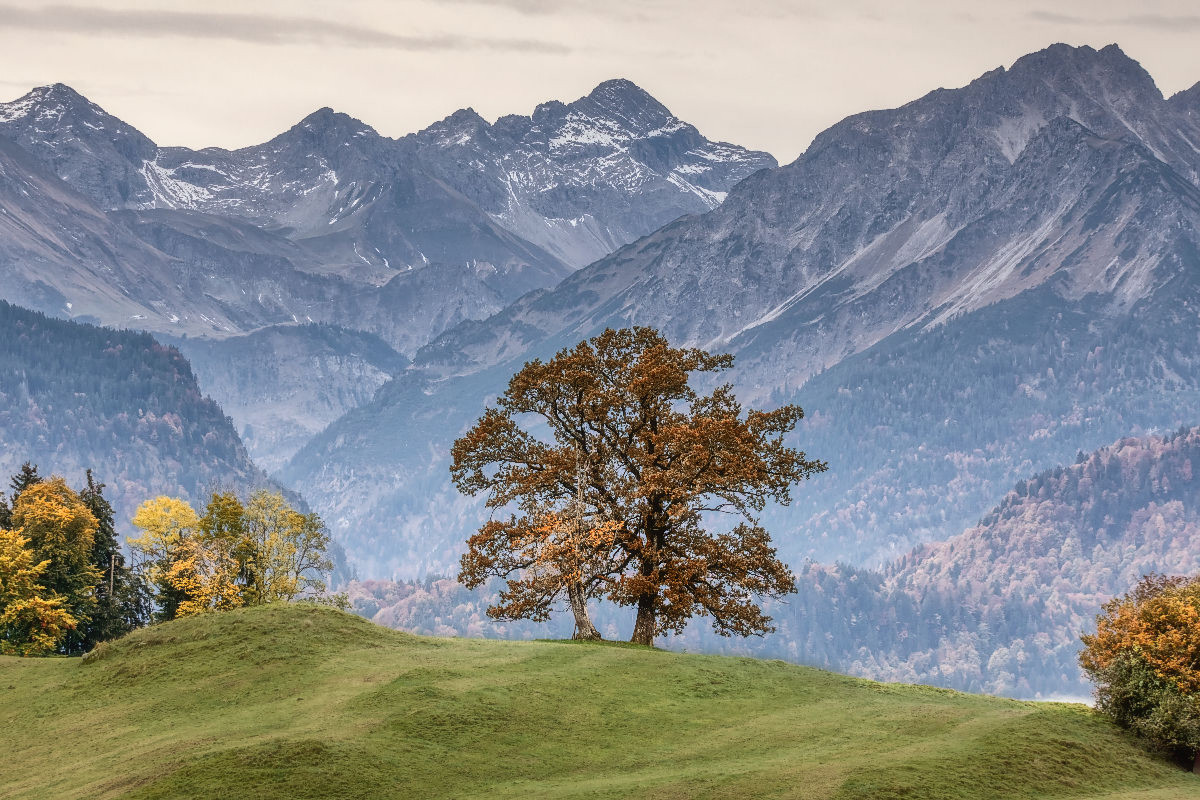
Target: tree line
[(66, 585)]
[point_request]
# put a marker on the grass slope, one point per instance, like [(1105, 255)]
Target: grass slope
[(305, 702)]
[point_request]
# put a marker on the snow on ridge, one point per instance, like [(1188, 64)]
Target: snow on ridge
[(712, 198), (170, 192), (17, 109)]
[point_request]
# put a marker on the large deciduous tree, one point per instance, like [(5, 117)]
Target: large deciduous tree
[(615, 501), (1145, 661)]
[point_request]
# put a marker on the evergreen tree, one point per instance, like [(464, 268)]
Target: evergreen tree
[(27, 477), (119, 607)]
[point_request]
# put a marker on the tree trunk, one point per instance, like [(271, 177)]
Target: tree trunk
[(1196, 763), (643, 627), (584, 629)]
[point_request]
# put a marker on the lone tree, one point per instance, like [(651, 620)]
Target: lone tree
[(1145, 661), (614, 506)]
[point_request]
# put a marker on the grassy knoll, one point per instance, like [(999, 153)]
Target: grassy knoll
[(303, 702)]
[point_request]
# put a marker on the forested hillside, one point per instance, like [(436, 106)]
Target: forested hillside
[(74, 397)]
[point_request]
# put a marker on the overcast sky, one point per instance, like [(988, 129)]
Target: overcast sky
[(768, 74)]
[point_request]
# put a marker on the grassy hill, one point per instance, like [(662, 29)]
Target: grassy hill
[(305, 702)]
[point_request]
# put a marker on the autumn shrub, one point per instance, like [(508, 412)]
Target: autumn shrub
[(1145, 661)]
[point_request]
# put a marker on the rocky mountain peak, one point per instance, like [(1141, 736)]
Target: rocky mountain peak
[(459, 128), (1187, 102), (1064, 67), (43, 99), (58, 111), (624, 101), (326, 124), (617, 106)]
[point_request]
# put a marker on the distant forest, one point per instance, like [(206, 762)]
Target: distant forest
[(76, 396)]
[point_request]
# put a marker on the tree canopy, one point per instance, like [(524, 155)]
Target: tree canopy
[(1145, 661), (235, 554), (60, 530), (32, 619), (617, 501)]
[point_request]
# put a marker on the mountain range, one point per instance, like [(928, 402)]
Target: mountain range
[(332, 223), (970, 288)]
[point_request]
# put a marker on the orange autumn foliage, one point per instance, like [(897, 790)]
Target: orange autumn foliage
[(1159, 621), (643, 462)]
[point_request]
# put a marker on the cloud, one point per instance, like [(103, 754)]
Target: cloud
[(642, 10), (250, 28), (1172, 23)]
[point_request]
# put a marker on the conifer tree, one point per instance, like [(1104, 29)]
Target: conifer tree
[(120, 602), (26, 477)]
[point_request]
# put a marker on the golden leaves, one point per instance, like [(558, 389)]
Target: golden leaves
[(261, 552), (32, 620), (1160, 621)]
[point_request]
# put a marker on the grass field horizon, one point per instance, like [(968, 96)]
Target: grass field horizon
[(308, 702)]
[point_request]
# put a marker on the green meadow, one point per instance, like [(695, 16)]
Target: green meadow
[(307, 702)]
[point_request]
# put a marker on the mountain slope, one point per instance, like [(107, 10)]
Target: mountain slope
[(296, 702), (1059, 194), (1000, 607), (285, 383), (74, 397)]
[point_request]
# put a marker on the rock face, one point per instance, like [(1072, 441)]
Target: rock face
[(331, 223), (581, 179), (1055, 198)]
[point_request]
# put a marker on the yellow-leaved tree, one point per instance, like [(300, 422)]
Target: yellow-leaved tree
[(237, 554), (60, 530), (287, 549), (32, 620), (204, 573), (165, 522)]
